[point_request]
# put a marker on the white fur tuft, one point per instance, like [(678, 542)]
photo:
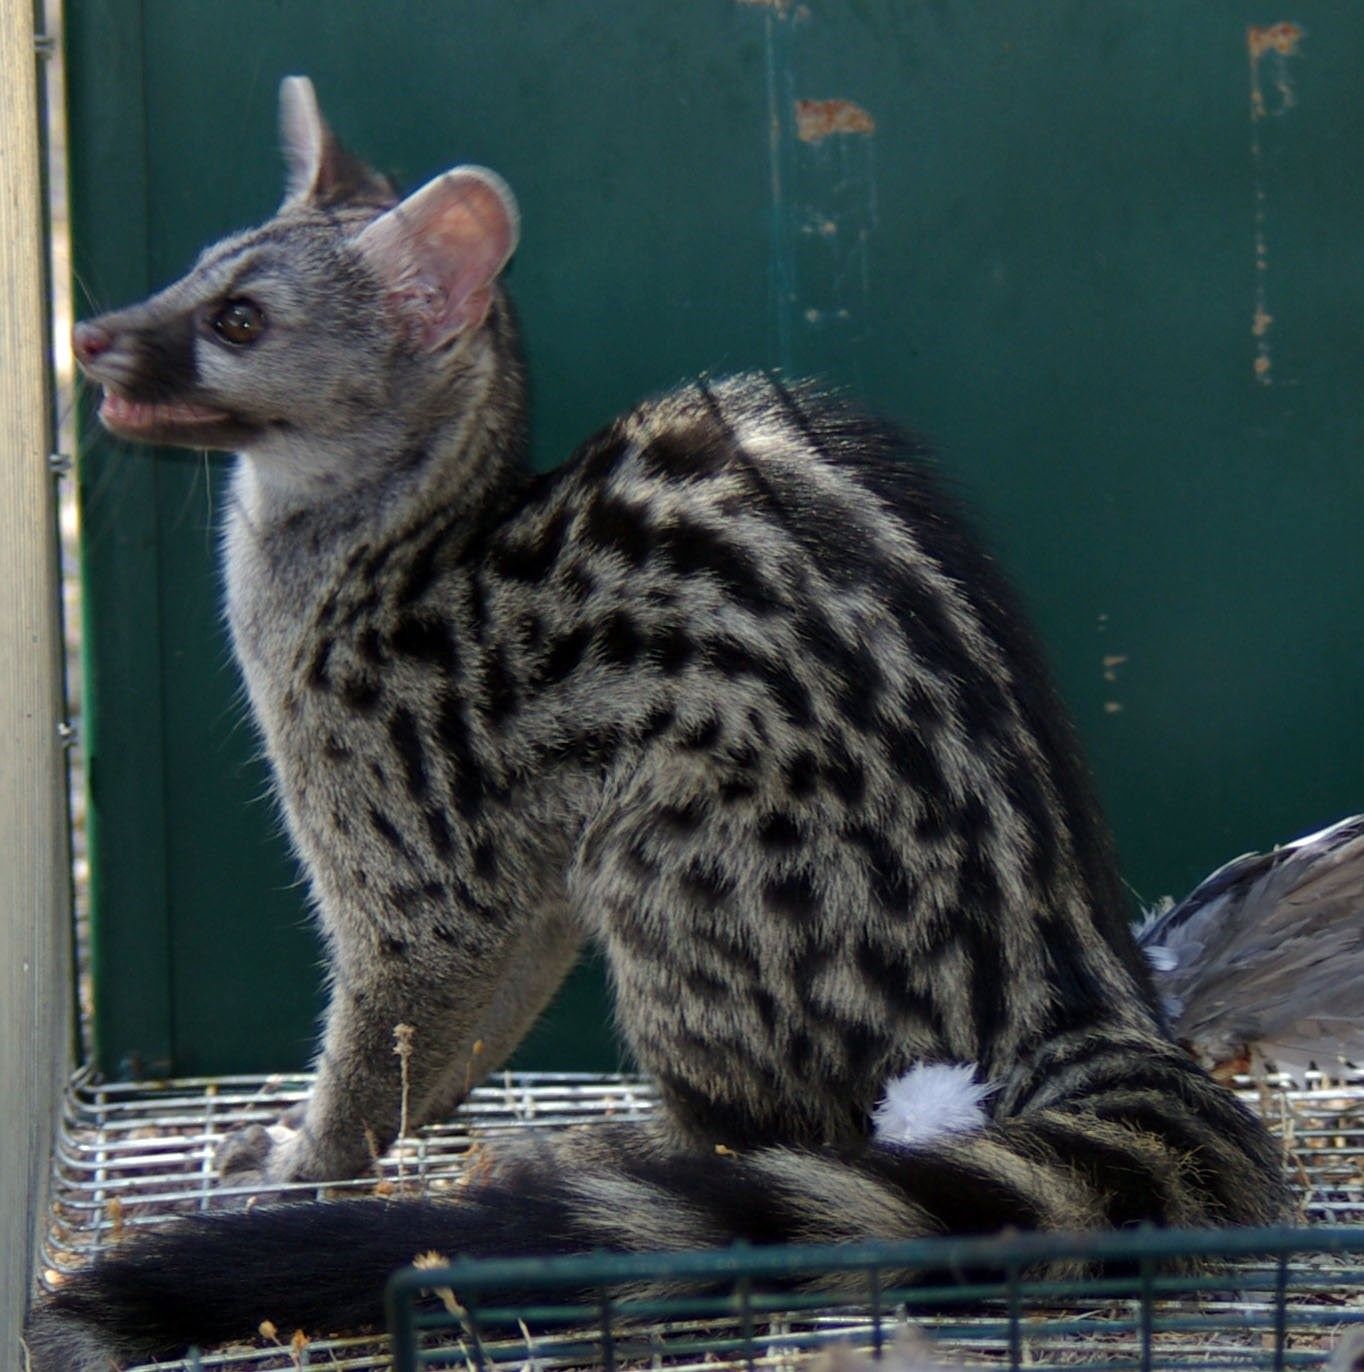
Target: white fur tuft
[(930, 1100)]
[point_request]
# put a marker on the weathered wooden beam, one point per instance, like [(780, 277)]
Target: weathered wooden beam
[(35, 960)]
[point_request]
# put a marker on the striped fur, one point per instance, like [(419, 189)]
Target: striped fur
[(734, 694)]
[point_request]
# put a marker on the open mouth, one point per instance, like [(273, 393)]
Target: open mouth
[(136, 417)]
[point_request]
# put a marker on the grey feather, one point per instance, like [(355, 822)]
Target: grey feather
[(1348, 1354), (911, 1351), (1265, 958)]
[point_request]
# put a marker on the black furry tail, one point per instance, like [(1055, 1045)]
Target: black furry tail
[(1176, 1158), (320, 1267)]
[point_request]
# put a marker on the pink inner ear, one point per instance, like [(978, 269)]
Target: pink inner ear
[(440, 251)]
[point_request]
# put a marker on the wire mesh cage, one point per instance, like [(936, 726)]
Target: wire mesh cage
[(134, 1156), (1262, 1298)]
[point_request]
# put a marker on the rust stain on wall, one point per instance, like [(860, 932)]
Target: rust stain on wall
[(1282, 38), (818, 119), (1279, 41), (1268, 46)]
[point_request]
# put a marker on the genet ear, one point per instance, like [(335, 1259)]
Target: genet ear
[(319, 170), (439, 253)]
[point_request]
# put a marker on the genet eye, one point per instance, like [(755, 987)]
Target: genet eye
[(239, 322)]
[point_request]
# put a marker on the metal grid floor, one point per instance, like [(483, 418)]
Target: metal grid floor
[(136, 1155)]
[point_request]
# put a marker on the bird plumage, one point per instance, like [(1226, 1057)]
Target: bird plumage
[(1264, 960)]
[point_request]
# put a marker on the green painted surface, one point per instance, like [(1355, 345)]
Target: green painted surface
[(1047, 256)]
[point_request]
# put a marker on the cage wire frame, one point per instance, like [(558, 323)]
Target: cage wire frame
[(943, 1284), (135, 1155)]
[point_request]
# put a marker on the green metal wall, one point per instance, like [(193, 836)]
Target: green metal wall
[(1108, 255)]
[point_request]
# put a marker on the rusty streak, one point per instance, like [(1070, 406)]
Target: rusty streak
[(1276, 42), (817, 119)]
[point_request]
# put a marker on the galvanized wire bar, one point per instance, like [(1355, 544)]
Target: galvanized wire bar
[(874, 1303), (134, 1156), (1280, 1310), (130, 1156), (1022, 1252)]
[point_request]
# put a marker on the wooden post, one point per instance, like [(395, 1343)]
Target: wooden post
[(35, 959)]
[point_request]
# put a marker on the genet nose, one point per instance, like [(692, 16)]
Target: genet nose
[(88, 341)]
